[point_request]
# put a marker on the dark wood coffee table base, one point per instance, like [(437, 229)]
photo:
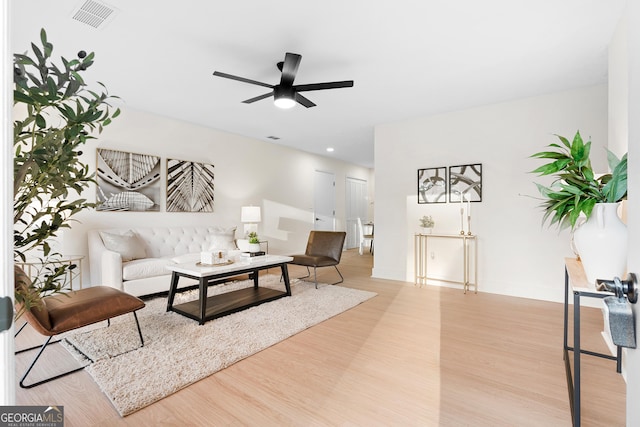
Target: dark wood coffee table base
[(207, 308), (227, 303)]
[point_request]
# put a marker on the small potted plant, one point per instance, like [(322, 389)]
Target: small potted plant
[(254, 242), (427, 223)]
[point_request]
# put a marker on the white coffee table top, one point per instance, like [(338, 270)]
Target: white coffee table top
[(240, 263)]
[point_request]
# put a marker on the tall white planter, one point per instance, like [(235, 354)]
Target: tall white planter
[(602, 243)]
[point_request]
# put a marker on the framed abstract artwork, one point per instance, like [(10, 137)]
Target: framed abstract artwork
[(189, 186), (432, 185), (127, 181), (465, 182)]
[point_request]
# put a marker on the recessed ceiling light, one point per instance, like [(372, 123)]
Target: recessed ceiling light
[(330, 149)]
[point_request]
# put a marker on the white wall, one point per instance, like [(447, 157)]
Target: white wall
[(618, 84), (517, 256), (247, 171)]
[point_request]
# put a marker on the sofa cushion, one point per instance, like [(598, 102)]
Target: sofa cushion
[(222, 239), (128, 245), (143, 268)]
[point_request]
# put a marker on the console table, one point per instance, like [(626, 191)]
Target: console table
[(575, 277), (35, 267), (421, 255)]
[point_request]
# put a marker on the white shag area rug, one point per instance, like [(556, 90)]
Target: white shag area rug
[(178, 352)]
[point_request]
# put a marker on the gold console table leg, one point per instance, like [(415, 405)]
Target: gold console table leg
[(421, 254)]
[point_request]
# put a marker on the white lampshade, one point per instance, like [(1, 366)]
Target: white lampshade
[(250, 214)]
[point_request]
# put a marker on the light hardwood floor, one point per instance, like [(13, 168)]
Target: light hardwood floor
[(411, 356)]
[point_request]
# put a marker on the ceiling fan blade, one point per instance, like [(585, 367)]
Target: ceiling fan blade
[(241, 79), (322, 86), (258, 98), (304, 101), (290, 68)]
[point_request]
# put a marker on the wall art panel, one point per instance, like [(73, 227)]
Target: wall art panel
[(127, 181), (432, 185), (189, 186), (465, 181)]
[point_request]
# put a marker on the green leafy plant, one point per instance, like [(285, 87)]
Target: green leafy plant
[(253, 237), (427, 222), (576, 189), (54, 115)]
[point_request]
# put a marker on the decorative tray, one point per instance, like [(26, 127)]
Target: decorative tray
[(220, 264)]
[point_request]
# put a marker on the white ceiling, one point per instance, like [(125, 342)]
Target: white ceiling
[(408, 58)]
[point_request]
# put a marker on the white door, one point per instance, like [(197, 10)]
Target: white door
[(7, 360), (324, 205), (356, 207), (7, 376), (633, 204)]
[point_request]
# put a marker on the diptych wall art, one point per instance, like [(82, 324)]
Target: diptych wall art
[(432, 185), (462, 181), (127, 181), (465, 181), (189, 186)]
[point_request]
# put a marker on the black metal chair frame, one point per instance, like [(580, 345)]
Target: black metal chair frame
[(46, 343), (315, 275)]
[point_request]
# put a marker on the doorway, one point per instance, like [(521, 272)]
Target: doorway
[(324, 201), (356, 207)]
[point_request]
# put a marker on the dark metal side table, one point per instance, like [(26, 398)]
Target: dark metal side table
[(575, 278)]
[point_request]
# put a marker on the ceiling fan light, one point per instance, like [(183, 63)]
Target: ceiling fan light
[(284, 97), (284, 102)]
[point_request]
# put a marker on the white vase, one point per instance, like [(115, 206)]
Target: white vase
[(427, 230), (254, 247), (602, 243)]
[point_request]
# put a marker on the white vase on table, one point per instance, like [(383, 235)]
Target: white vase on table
[(601, 243)]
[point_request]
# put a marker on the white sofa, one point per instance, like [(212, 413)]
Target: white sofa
[(134, 260)]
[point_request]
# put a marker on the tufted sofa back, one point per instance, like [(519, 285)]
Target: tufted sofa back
[(168, 241), (162, 242)]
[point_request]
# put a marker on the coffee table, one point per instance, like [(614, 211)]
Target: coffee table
[(207, 308)]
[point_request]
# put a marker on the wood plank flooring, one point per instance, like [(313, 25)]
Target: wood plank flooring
[(411, 356)]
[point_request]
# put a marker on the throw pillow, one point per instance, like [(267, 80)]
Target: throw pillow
[(222, 238), (128, 245)]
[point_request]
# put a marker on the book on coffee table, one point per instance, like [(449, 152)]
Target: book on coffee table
[(252, 254)]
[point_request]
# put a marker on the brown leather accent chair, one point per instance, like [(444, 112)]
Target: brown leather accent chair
[(324, 249), (64, 312)]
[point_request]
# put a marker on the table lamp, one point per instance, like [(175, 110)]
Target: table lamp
[(250, 216)]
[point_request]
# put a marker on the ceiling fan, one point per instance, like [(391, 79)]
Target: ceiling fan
[(286, 94)]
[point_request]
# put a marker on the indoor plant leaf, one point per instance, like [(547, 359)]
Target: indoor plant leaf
[(576, 189)]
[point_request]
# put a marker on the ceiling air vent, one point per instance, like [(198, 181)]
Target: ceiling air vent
[(93, 13)]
